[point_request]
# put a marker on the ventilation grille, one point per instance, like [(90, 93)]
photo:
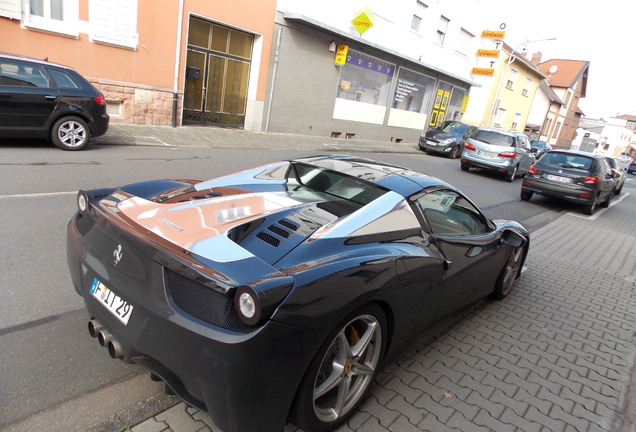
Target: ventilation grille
[(278, 231), (203, 303)]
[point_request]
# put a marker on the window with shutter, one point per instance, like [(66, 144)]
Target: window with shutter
[(114, 22), (10, 9)]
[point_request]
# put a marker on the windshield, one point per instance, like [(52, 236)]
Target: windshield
[(452, 127), (569, 161), (494, 138)]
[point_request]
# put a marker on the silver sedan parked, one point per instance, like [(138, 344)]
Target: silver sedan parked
[(497, 150)]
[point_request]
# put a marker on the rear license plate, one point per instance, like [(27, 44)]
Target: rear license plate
[(120, 308), (557, 178), (486, 154)]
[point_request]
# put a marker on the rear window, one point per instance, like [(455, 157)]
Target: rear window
[(494, 138), (337, 184), (568, 161), (63, 80)]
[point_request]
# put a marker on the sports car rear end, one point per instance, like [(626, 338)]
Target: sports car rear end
[(171, 310)]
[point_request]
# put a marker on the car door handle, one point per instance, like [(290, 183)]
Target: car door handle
[(50, 98)]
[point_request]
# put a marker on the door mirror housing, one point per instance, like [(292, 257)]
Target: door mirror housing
[(513, 239)]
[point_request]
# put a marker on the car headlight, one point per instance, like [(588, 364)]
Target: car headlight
[(255, 303)]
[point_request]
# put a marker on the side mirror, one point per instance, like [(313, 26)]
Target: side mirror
[(513, 239)]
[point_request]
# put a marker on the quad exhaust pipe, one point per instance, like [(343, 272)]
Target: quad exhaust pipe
[(105, 338)]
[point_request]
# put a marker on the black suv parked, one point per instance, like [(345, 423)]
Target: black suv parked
[(39, 99)]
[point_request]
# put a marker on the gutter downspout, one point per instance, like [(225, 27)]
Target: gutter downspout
[(271, 89), (175, 89)]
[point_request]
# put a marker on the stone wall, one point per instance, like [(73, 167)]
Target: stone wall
[(131, 103)]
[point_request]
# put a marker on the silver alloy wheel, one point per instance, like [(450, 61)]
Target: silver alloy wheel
[(511, 271), (347, 369), (72, 133)]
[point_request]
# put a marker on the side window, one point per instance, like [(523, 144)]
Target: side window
[(448, 213), (22, 75), (62, 79)]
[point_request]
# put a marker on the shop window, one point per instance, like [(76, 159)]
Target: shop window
[(365, 79), (413, 91)]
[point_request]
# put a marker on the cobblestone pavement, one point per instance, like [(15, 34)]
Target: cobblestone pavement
[(555, 355)]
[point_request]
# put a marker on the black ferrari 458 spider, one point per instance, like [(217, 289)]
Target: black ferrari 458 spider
[(276, 293)]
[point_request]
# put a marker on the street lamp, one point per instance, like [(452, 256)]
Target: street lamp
[(504, 73)]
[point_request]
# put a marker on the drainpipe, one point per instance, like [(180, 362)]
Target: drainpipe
[(175, 89), (271, 89)]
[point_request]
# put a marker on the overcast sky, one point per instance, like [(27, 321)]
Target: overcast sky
[(601, 32)]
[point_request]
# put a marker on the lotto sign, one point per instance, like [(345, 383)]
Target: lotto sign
[(363, 20)]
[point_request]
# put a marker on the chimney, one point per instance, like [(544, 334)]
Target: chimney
[(536, 58)]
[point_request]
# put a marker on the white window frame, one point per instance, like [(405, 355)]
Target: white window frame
[(68, 26), (512, 78), (516, 122), (114, 22), (415, 23), (500, 118), (465, 42), (527, 87), (442, 29)]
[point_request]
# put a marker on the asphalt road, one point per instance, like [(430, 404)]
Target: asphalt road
[(47, 358)]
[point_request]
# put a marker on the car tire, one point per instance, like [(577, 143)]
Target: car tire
[(511, 177), (343, 370), (70, 133), (606, 203), (465, 166), (618, 190), (509, 274), (589, 209), (454, 153), (526, 195)]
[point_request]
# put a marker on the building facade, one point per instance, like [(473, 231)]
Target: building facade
[(504, 100), (160, 62), (409, 69), (568, 80)]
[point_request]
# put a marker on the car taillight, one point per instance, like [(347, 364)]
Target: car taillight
[(469, 146), (532, 169), (255, 303), (100, 100), (507, 154), (591, 180)]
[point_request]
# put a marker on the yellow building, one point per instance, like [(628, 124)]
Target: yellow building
[(504, 99)]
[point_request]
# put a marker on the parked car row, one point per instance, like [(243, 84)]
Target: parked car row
[(39, 99), (579, 177)]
